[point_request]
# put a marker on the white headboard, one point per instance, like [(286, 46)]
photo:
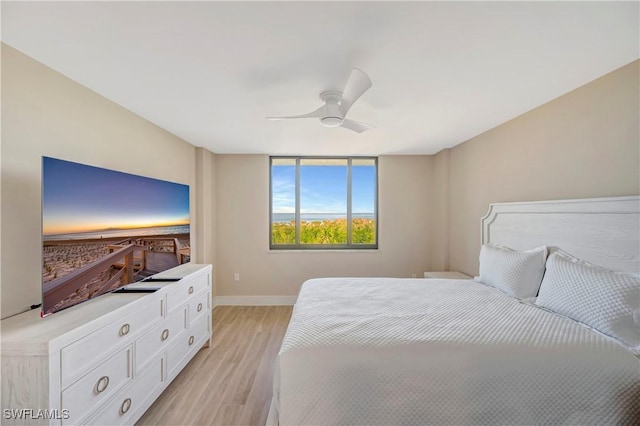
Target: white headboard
[(603, 231)]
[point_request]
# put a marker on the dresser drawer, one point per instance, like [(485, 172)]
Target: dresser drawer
[(77, 358), (177, 297), (160, 336), (201, 327), (188, 343), (199, 305), (96, 386), (124, 408)]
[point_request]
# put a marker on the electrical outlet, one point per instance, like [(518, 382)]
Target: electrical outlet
[(413, 275), (236, 276)]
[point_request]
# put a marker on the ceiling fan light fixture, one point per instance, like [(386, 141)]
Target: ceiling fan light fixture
[(331, 121)]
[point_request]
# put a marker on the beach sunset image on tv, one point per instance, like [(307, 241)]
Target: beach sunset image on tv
[(102, 229)]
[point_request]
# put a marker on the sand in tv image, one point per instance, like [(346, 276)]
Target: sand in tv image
[(102, 229)]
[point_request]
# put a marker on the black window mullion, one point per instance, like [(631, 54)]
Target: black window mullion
[(375, 202), (270, 202), (349, 203), (298, 201)]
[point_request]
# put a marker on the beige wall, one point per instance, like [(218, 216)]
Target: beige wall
[(439, 203), (583, 144), (242, 193), (206, 209), (45, 113)]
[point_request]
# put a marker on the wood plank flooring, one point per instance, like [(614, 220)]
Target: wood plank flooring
[(230, 382)]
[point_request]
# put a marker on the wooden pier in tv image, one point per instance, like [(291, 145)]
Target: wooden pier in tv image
[(88, 268)]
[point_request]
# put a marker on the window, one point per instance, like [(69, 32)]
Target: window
[(324, 203)]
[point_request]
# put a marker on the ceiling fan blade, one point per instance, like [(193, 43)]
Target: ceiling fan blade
[(358, 83), (356, 126), (319, 113)]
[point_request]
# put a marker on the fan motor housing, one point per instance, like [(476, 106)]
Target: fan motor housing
[(333, 115), (331, 97)]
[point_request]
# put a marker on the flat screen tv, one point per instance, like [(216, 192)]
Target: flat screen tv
[(103, 229)]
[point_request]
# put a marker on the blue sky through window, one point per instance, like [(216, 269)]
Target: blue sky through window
[(323, 188)]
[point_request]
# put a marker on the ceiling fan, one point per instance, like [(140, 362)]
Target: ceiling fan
[(337, 104)]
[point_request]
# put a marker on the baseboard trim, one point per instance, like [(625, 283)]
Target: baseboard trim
[(254, 300)]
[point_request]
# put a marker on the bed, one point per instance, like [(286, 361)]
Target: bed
[(414, 351)]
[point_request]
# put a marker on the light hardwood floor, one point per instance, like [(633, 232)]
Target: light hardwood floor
[(230, 382)]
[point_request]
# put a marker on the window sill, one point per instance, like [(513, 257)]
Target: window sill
[(346, 250)]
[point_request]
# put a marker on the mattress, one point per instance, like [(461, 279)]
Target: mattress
[(413, 352)]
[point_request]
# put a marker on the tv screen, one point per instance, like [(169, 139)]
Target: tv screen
[(103, 229)]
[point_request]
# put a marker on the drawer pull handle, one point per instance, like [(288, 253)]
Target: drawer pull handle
[(102, 384), (190, 289), (124, 330), (165, 334), (199, 307), (126, 404), (191, 340)]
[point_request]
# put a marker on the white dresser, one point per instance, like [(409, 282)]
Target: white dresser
[(104, 361)]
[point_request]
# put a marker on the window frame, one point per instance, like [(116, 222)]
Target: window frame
[(298, 245)]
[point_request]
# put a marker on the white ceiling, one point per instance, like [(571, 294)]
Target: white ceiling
[(442, 72)]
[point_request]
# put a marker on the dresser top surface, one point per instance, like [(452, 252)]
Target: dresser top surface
[(29, 330)]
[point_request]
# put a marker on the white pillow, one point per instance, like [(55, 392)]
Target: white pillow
[(604, 300), (516, 273)]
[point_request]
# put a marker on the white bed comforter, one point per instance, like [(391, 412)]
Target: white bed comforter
[(412, 351)]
